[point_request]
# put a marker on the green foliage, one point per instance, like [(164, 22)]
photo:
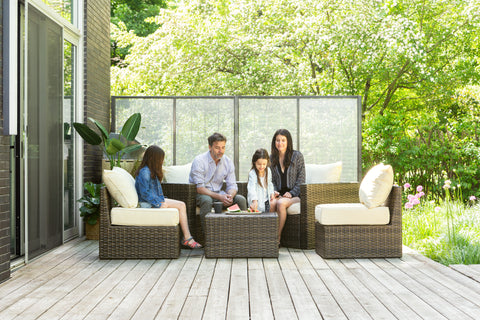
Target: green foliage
[(412, 62), (90, 209), (446, 231), (114, 148), (133, 15)]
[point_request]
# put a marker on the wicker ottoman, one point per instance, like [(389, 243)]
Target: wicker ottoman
[(241, 236)]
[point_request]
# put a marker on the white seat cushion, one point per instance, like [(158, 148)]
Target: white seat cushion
[(323, 173), (376, 186), (351, 214), (294, 208), (121, 186), (166, 217), (177, 174)]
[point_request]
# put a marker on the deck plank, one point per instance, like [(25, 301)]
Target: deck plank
[(216, 306), (281, 301), (259, 298), (135, 297), (329, 309), (70, 282)]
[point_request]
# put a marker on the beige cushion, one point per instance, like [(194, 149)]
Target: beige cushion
[(121, 186), (323, 173), (144, 216), (294, 208), (351, 214), (376, 186), (177, 174)]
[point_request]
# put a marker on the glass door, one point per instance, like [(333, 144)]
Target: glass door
[(44, 133)]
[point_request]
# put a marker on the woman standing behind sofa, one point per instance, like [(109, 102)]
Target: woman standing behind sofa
[(288, 173), (150, 193)]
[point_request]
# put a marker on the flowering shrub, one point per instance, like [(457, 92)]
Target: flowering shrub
[(413, 200), (446, 230)]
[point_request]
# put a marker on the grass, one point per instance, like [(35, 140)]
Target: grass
[(447, 232)]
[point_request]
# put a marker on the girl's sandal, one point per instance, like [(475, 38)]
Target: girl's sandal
[(190, 243)]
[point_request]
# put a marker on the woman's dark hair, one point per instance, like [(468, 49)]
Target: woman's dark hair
[(153, 159), (288, 154), (261, 154)]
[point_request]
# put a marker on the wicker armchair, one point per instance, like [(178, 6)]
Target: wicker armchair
[(358, 241), (134, 242)]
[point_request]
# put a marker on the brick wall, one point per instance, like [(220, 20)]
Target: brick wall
[(96, 78), (4, 177)]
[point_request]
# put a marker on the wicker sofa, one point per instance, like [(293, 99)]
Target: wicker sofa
[(358, 241)]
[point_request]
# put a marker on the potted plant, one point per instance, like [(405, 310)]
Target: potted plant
[(90, 209), (113, 145)]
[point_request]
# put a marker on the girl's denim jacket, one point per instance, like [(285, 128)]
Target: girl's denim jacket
[(148, 189)]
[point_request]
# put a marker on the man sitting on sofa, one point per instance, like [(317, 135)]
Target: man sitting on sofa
[(208, 172)]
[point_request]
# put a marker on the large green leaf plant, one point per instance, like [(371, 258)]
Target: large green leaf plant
[(112, 146)]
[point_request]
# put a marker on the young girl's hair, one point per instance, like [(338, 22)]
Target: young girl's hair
[(153, 159), (261, 154), (288, 153)]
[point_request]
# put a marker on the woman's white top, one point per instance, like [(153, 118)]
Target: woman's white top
[(256, 191)]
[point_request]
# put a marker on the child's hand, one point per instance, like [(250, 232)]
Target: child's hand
[(254, 205), (164, 205)]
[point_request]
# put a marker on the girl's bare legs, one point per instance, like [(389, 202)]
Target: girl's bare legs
[(282, 205), (182, 210)]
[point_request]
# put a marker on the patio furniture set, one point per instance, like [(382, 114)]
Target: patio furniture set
[(329, 219)]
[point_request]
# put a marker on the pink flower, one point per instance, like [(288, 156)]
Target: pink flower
[(419, 188), (415, 201), (408, 205), (473, 198), (410, 197), (406, 186), (421, 194), (437, 209)]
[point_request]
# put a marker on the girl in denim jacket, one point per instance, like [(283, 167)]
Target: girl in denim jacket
[(150, 193)]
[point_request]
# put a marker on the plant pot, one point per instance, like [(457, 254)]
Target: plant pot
[(92, 232)]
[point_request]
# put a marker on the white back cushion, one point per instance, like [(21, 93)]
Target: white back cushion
[(121, 186), (376, 185), (177, 174), (323, 173)]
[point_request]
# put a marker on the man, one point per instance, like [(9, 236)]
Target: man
[(208, 172)]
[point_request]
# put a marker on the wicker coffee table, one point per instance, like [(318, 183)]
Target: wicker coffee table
[(241, 236)]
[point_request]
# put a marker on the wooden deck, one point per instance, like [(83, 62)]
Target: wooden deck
[(71, 282)]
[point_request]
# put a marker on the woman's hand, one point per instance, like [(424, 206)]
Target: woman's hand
[(275, 195)]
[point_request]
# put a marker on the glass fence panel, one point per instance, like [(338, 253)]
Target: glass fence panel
[(328, 133), (197, 119), (157, 121), (259, 118), (324, 129)]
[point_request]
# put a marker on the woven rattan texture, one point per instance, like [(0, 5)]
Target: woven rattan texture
[(362, 241), (133, 242), (235, 236)]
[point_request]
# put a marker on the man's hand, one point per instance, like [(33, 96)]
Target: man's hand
[(227, 200)]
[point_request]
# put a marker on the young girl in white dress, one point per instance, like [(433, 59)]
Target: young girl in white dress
[(261, 195)]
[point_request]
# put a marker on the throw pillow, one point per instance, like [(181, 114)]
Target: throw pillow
[(177, 174), (121, 186), (376, 185), (323, 173)]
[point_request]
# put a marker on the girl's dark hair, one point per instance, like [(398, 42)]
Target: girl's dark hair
[(261, 154), (153, 159), (288, 154)]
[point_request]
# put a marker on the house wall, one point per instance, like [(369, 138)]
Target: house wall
[(97, 78), (4, 177)]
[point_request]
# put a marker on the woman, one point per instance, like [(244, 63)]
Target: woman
[(150, 193), (288, 173)]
